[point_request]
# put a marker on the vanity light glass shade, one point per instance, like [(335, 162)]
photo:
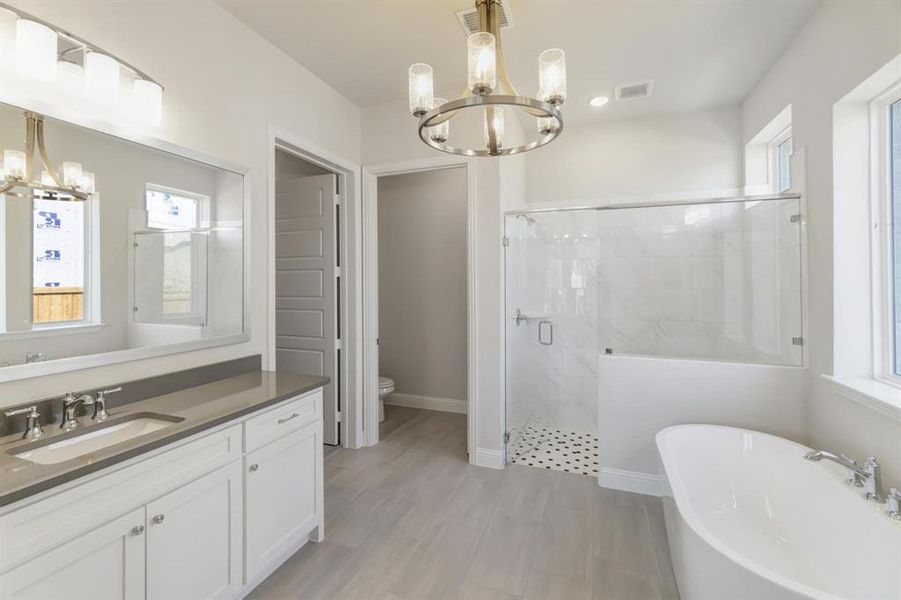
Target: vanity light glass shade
[(148, 102), (482, 63), (13, 164), (35, 50), (497, 123), (552, 76), (87, 182), (70, 76), (101, 78), (71, 174), (421, 88), (439, 133), (547, 125)]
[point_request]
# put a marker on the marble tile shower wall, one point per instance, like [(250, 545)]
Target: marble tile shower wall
[(719, 282)]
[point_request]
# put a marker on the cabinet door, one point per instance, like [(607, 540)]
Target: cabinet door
[(106, 563), (194, 539), (282, 503)]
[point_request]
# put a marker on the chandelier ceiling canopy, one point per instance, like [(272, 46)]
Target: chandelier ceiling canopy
[(490, 96)]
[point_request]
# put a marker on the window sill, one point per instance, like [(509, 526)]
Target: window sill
[(52, 331), (872, 393)]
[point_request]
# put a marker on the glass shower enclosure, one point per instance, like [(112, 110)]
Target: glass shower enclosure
[(706, 280)]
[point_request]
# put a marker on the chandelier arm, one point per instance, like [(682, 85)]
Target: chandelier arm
[(29, 146), (503, 78), (42, 150), (8, 186)]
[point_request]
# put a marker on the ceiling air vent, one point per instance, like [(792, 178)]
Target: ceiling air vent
[(469, 19), (641, 89)]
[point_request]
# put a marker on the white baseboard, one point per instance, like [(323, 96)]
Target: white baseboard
[(427, 402), (632, 481), (492, 459)]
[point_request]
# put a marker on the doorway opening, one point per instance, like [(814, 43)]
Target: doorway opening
[(419, 292)]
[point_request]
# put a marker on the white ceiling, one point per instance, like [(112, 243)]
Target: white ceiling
[(700, 53)]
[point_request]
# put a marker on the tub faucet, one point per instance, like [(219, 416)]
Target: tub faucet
[(869, 476)]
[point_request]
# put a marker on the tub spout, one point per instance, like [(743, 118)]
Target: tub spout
[(868, 476)]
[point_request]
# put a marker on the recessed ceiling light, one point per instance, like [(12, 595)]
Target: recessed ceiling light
[(599, 101)]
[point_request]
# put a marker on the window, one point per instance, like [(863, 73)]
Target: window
[(58, 267), (893, 193), (780, 151), (172, 209)]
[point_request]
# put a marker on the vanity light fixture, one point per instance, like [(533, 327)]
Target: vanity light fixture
[(64, 62), (486, 77), (71, 183)]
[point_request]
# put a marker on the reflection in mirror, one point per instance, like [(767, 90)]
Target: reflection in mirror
[(154, 256)]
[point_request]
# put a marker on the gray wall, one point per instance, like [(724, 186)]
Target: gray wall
[(422, 282)]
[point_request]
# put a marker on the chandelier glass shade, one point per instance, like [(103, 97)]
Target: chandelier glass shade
[(70, 182), (490, 96)]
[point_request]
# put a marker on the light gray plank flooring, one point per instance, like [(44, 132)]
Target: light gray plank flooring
[(410, 519)]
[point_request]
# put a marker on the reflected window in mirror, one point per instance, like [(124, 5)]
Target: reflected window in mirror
[(59, 244), (168, 208)]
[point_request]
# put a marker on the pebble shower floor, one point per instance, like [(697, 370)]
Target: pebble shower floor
[(556, 449)]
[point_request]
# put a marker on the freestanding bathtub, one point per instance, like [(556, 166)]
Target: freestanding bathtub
[(749, 519)]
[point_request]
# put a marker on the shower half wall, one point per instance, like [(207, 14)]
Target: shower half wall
[(704, 281)]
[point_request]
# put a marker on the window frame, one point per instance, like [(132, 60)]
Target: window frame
[(882, 242), (773, 159), (201, 200), (92, 291)]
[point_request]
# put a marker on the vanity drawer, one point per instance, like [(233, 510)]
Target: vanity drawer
[(284, 418), (47, 523)]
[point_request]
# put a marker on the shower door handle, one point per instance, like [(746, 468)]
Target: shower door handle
[(545, 340)]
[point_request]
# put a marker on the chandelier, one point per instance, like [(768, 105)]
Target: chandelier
[(487, 77), (69, 183)]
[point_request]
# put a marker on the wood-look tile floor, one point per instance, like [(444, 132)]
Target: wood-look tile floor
[(410, 519)]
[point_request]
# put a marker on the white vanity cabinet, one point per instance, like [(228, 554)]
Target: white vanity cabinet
[(205, 518), (194, 539), (104, 563)]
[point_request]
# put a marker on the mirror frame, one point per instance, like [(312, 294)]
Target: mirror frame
[(88, 361)]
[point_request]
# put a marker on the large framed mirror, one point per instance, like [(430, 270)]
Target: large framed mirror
[(153, 261)]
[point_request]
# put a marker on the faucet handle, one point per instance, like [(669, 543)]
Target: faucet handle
[(894, 501), (100, 412), (33, 429), (103, 393)]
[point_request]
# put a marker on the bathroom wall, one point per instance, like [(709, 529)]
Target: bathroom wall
[(680, 152), (422, 284), (225, 86), (840, 47)]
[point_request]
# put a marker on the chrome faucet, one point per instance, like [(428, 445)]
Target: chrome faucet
[(33, 357), (70, 406), (869, 476)]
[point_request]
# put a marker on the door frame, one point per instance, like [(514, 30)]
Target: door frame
[(349, 309), (370, 301)]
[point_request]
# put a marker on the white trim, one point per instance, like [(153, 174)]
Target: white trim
[(632, 481), (453, 405), (369, 237), (491, 459), (350, 312), (876, 395), (882, 235), (68, 329)]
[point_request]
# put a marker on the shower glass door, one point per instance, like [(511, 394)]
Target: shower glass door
[(551, 300)]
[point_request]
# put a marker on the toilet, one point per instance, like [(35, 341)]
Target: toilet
[(386, 388)]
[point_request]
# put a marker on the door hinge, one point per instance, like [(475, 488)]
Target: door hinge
[(796, 218), (337, 271), (338, 417), (797, 341), (505, 241), (338, 345)]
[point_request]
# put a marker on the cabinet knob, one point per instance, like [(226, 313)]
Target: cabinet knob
[(159, 518), (254, 467), (137, 530)]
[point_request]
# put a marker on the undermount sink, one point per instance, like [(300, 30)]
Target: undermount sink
[(93, 438)]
